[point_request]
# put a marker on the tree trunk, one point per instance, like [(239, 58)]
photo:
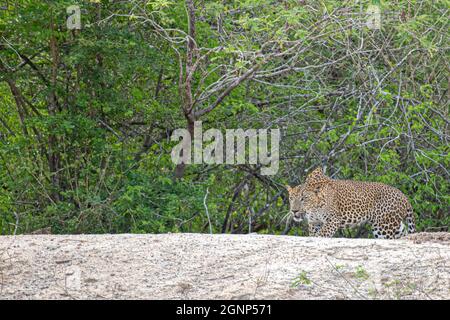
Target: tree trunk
[(180, 168), (54, 158)]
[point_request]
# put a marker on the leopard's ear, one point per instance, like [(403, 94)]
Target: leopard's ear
[(288, 188), (317, 172)]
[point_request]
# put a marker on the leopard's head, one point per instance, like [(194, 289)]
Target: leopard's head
[(308, 200), (296, 202)]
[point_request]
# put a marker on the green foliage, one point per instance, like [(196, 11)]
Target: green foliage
[(361, 273), (301, 279)]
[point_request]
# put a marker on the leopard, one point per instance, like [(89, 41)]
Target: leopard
[(329, 205)]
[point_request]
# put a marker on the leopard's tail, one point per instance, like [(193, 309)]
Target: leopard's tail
[(410, 220)]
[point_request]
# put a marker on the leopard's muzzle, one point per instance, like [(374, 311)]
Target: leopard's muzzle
[(298, 215)]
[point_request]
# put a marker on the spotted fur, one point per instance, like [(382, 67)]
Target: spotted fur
[(328, 205)]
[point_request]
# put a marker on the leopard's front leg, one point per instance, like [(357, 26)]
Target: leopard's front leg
[(329, 228), (314, 228)]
